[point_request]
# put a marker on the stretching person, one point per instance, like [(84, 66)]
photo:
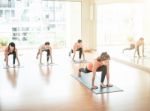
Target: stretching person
[(77, 47), (45, 47), (132, 46), (97, 65), (11, 49), (136, 46)]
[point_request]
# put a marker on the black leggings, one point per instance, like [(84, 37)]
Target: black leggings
[(80, 52), (132, 46), (138, 51), (48, 54), (14, 56), (102, 68)]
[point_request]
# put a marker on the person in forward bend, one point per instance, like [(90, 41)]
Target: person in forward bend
[(101, 63), (136, 46), (11, 50), (45, 47), (78, 46)]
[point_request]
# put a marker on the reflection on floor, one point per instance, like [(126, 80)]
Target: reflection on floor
[(36, 88)]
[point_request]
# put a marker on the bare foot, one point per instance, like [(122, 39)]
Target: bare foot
[(102, 86), (109, 85), (94, 87)]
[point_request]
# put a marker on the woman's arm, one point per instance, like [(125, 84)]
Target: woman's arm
[(143, 49), (38, 53), (6, 56), (107, 74), (94, 74), (17, 57), (39, 50), (50, 49)]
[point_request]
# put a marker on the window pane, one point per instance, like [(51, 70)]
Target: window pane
[(52, 21)]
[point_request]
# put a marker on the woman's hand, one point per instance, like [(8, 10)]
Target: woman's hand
[(94, 87)]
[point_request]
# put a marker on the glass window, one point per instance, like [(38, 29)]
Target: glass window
[(1, 13), (54, 21)]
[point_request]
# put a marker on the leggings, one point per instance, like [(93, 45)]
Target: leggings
[(132, 46), (14, 56), (48, 54), (138, 52), (80, 52), (102, 68)]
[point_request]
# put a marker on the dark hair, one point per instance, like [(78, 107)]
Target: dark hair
[(12, 44), (103, 56), (47, 43), (79, 41)]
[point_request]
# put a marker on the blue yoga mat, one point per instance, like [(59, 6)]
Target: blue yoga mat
[(81, 61), (86, 81)]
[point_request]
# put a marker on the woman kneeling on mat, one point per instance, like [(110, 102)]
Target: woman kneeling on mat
[(11, 49), (99, 64), (45, 47)]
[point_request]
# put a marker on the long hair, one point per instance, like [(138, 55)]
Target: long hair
[(12, 44), (103, 56)]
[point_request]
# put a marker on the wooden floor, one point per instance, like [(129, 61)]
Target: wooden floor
[(42, 88)]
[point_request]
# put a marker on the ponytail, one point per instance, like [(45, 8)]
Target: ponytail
[(103, 56)]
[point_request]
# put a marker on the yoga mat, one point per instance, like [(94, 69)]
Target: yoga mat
[(81, 61), (86, 81)]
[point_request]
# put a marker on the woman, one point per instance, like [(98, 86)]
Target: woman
[(99, 64), (11, 49), (45, 47), (136, 45), (77, 47), (132, 46)]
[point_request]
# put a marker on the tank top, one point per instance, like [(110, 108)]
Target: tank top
[(90, 65)]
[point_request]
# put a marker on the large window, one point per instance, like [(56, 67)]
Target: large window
[(32, 22), (118, 22)]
